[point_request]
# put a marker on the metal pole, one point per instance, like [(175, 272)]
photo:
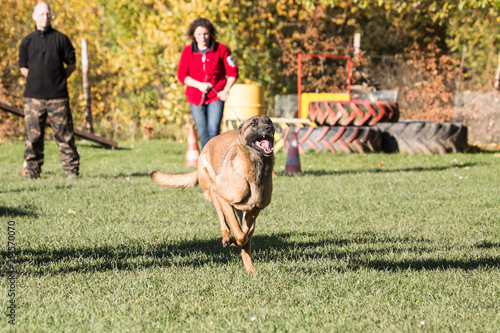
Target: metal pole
[(299, 73), (299, 82)]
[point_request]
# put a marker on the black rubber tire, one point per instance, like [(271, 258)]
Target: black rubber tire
[(352, 113), (423, 137), (349, 139)]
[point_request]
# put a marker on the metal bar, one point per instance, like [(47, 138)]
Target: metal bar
[(299, 73), (291, 120), (299, 83)]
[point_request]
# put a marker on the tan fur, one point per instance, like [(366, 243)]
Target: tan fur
[(185, 180), (235, 177)]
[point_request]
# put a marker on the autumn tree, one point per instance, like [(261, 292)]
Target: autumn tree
[(135, 45)]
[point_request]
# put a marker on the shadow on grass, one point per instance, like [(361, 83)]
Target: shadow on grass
[(122, 175), (488, 245), (16, 212), (133, 174), (379, 170), (362, 251), (479, 150), (20, 190), (97, 146)]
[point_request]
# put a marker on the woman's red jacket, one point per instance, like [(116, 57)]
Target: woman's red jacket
[(213, 67)]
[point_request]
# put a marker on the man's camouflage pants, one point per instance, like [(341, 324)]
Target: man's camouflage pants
[(57, 112)]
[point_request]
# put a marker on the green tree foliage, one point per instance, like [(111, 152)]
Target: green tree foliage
[(390, 27), (135, 45), (11, 28)]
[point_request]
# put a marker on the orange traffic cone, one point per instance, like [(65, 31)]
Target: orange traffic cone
[(292, 159), (192, 152)]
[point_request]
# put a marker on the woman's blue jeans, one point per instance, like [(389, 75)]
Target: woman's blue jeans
[(207, 118)]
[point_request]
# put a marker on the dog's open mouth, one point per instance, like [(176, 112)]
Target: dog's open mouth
[(264, 145)]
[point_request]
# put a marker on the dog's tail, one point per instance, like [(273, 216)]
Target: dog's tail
[(184, 180)]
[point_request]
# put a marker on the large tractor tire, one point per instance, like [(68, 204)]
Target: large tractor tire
[(348, 139), (423, 137), (352, 113)]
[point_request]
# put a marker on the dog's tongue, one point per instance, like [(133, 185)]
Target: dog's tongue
[(266, 145)]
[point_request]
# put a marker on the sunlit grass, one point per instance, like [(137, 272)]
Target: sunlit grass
[(375, 242)]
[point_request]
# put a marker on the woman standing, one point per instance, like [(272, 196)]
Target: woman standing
[(208, 71)]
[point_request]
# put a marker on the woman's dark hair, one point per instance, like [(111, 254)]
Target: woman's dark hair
[(201, 22)]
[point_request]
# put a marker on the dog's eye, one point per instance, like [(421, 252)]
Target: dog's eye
[(254, 123)]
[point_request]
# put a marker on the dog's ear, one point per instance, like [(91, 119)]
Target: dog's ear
[(240, 127)]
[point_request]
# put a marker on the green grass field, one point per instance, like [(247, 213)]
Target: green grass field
[(357, 243)]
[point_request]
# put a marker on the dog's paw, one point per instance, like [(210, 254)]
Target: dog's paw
[(228, 241)]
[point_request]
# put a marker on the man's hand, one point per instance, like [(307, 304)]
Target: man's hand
[(24, 71)]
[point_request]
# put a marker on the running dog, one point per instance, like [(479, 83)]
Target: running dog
[(235, 172)]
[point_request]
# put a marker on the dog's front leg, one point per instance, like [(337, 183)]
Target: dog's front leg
[(227, 239), (246, 250), (240, 237), (248, 220)]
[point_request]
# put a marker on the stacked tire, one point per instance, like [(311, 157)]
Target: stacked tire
[(413, 137), (352, 113), (349, 139), (365, 126)]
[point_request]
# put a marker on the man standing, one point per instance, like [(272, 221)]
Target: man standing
[(42, 56)]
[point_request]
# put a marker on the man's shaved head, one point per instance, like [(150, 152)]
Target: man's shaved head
[(42, 15), (41, 5)]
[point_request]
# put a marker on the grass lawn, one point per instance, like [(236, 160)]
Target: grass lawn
[(357, 243)]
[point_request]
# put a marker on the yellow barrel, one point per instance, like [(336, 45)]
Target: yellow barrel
[(245, 101)]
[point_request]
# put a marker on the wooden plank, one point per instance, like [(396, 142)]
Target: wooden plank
[(80, 133), (497, 75), (291, 120), (11, 109), (95, 138)]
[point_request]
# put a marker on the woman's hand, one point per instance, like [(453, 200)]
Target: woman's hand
[(223, 95), (205, 87)]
